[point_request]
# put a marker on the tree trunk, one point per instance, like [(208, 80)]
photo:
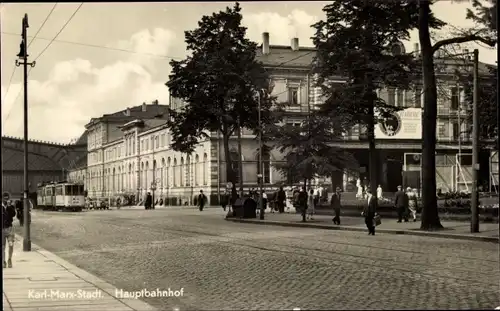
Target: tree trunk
[(240, 161), (430, 217), (230, 175), (372, 152)]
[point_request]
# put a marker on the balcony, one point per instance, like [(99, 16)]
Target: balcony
[(447, 111)]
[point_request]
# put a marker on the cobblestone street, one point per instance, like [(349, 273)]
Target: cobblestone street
[(233, 266)]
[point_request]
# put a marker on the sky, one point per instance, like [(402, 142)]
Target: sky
[(111, 56)]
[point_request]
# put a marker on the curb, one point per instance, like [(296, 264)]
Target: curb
[(357, 229), (135, 304)]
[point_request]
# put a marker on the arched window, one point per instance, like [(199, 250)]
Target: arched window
[(169, 163), (162, 173), (188, 171), (129, 179), (196, 170), (205, 169), (266, 166), (174, 175), (146, 179), (181, 172), (235, 165), (141, 176), (154, 175)]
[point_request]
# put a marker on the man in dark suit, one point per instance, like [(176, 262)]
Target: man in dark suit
[(335, 203), (401, 204), (369, 211)]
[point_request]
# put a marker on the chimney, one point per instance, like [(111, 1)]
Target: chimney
[(466, 54), (155, 102), (265, 43), (295, 44), (128, 112), (416, 50), (144, 107)]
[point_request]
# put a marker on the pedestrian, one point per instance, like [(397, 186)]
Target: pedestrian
[(302, 203), (336, 203), (281, 200), (359, 194), (369, 212), (379, 192), (401, 204), (8, 214), (264, 200), (224, 200), (311, 202), (412, 202), (20, 212), (202, 200), (148, 203)]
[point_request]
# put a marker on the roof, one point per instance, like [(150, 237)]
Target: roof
[(13, 160), (284, 56), (130, 114)]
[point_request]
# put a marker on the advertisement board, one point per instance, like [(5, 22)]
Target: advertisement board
[(404, 124)]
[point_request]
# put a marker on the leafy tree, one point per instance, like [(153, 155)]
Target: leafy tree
[(427, 21), (485, 17), (358, 41), (218, 83), (487, 103), (308, 150)]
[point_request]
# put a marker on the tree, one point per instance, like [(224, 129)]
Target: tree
[(218, 83), (359, 40), (427, 21), (308, 150), (487, 102)]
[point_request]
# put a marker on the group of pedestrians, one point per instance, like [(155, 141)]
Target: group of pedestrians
[(406, 204)]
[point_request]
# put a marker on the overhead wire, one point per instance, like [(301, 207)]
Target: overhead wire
[(51, 41), (15, 68)]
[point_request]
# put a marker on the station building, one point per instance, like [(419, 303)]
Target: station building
[(128, 151)]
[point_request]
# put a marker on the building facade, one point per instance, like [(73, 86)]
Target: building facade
[(128, 152)]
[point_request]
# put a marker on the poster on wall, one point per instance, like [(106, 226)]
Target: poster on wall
[(404, 124)]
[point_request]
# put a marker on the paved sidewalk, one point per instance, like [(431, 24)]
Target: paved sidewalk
[(453, 229), (39, 280)]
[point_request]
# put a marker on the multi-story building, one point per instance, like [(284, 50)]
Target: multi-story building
[(128, 152)]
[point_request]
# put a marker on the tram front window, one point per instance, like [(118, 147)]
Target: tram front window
[(76, 190), (68, 190)]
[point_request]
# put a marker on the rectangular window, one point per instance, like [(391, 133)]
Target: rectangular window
[(157, 141), (442, 132), (418, 96), (400, 100), (293, 95), (456, 130), (391, 96), (59, 190), (454, 98)]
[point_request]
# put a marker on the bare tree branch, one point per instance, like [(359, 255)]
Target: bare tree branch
[(463, 39)]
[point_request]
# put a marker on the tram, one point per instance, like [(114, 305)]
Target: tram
[(65, 196)]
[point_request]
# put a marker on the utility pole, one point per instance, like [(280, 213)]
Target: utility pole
[(474, 226), (23, 54), (498, 111), (260, 176)]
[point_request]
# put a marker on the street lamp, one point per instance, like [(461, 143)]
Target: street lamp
[(260, 175), (153, 188)]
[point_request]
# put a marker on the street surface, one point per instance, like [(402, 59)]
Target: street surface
[(234, 266)]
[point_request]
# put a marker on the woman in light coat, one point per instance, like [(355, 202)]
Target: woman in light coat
[(310, 204), (412, 202)]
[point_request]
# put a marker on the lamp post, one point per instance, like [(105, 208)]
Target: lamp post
[(260, 175), (153, 188)]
